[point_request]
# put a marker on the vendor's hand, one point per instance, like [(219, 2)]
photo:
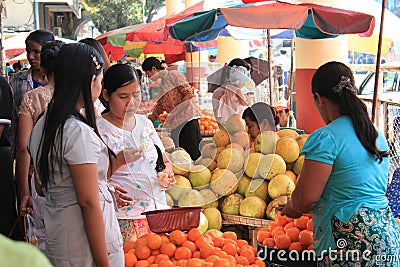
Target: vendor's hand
[(121, 196), (289, 212), (25, 204), (166, 179)]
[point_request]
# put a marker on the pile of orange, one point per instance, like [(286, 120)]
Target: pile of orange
[(288, 233), (207, 123), (191, 249)]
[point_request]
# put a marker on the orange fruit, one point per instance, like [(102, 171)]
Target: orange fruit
[(280, 232), (259, 263), (140, 242), (211, 258), (193, 262), (242, 260), (177, 237), (301, 222), (208, 264), (309, 225), (229, 241), (296, 246), (231, 259), (272, 225), (165, 263), (142, 252), (277, 228), (269, 242), (240, 243), (221, 262), (203, 241), (218, 242), (190, 245), (293, 233), (287, 226), (310, 247), (288, 219), (229, 235), (282, 241), (249, 254), (193, 234), (128, 245), (130, 259), (206, 250), (281, 220), (151, 259), (210, 234), (201, 127), (154, 241), (230, 249), (142, 263), (183, 253), (155, 252), (164, 238), (306, 237), (196, 254), (182, 263), (262, 234), (220, 253), (160, 257), (168, 248)]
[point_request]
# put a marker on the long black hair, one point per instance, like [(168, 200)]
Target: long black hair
[(74, 69), (326, 81)]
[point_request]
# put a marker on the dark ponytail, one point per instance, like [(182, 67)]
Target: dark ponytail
[(335, 81)]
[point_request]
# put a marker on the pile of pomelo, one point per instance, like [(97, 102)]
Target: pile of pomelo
[(191, 249), (236, 177), (288, 233)]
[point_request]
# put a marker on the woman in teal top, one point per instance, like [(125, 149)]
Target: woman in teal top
[(344, 178)]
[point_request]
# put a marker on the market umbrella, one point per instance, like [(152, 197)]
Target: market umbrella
[(309, 21), (151, 38)]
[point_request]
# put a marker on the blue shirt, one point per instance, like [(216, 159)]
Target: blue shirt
[(357, 178)]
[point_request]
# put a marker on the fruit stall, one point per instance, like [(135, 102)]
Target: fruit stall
[(239, 185)]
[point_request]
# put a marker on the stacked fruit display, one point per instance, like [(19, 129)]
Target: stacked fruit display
[(191, 249), (208, 124), (288, 233), (236, 177)]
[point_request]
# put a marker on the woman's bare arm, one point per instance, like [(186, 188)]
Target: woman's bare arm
[(309, 188), (85, 179)]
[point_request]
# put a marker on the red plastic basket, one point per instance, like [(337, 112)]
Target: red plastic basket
[(162, 221)]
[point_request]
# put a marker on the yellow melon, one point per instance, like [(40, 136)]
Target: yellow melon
[(287, 148), (221, 138), (271, 165), (223, 182), (280, 185)]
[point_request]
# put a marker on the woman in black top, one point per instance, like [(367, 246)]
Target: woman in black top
[(8, 211)]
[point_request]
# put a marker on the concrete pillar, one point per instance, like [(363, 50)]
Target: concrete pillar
[(229, 48), (196, 63), (310, 54), (189, 3), (172, 6)]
